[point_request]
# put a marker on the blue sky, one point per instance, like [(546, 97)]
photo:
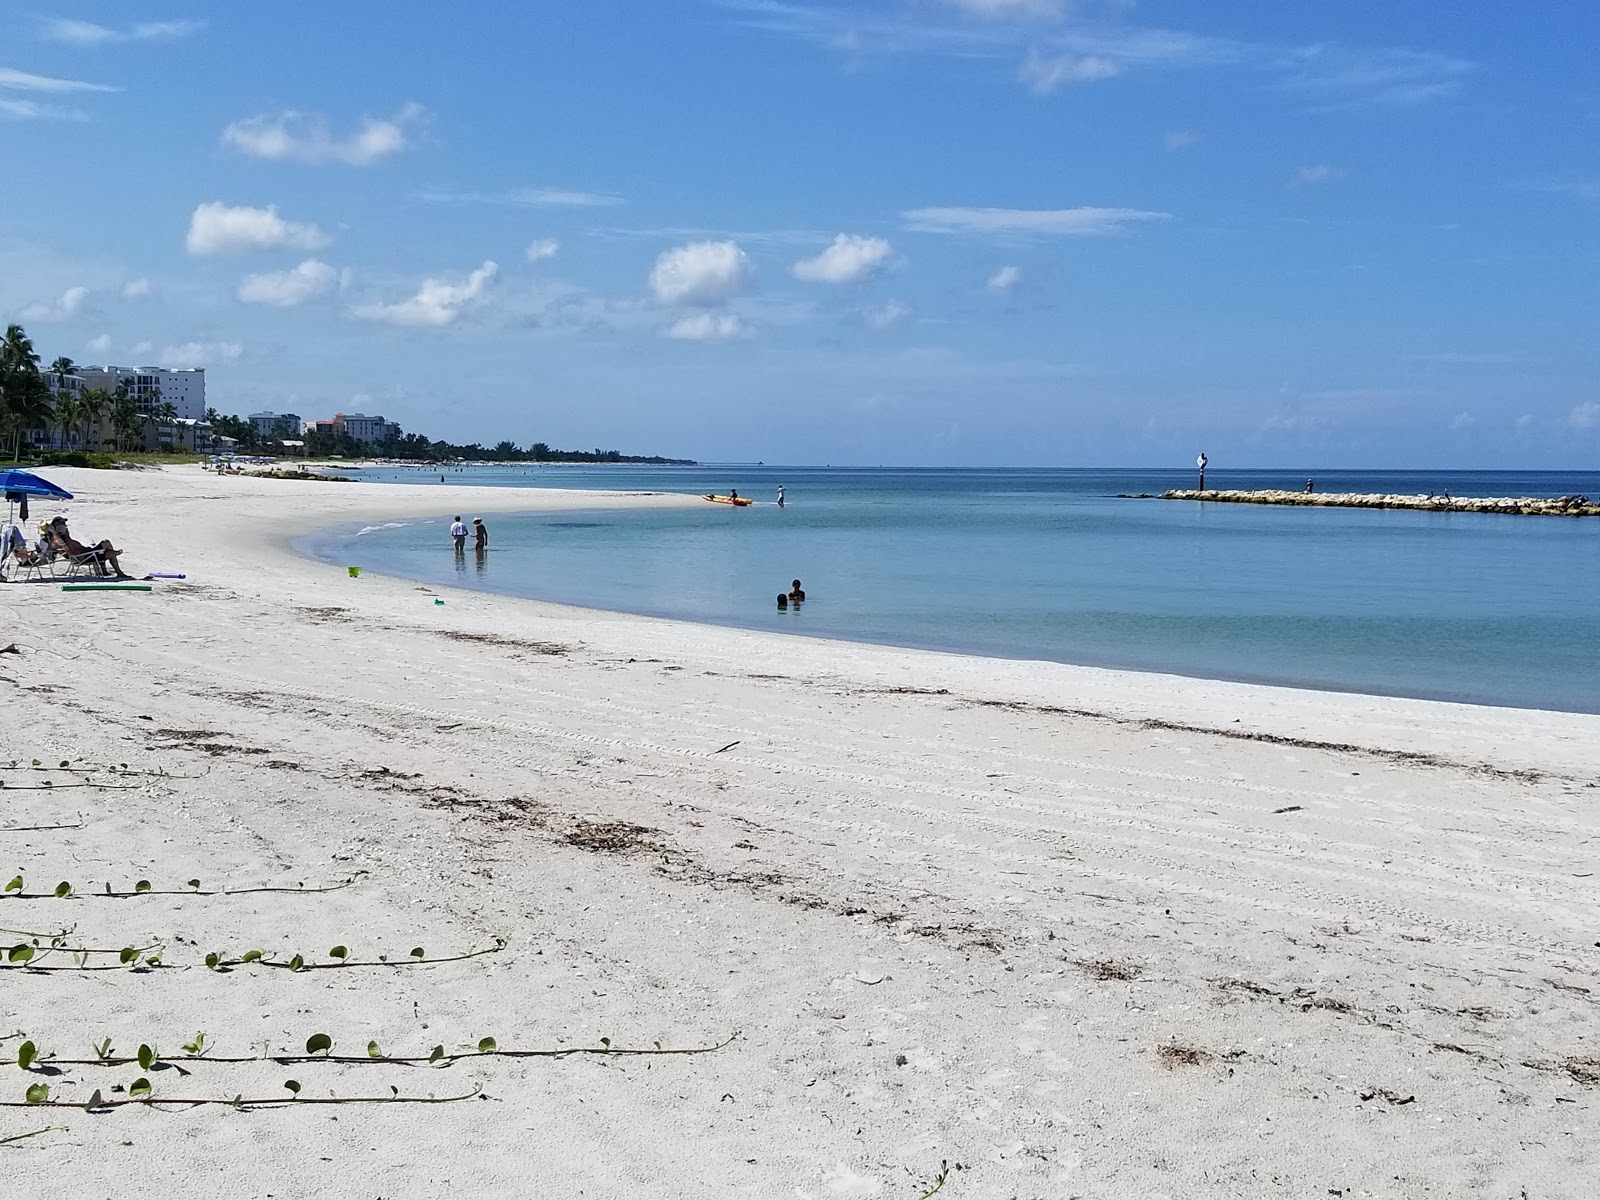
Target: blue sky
[(911, 231)]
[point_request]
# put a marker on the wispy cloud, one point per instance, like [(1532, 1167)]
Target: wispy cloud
[(529, 197), (197, 354), (888, 315), (437, 302), (1045, 73), (1315, 173), (1584, 416), (63, 308), (542, 248), (1001, 10), (87, 33), (708, 327), (217, 228), (308, 138), (1328, 76), (1343, 77), (22, 81), (1059, 222), (1182, 139), (136, 289), (32, 110)]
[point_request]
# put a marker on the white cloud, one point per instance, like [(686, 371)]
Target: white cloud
[(218, 228), (136, 289), (196, 354), (140, 349), (891, 313), (542, 248), (32, 110), (530, 197), (437, 303), (1182, 139), (306, 137), (850, 259), (700, 273), (285, 289), (1462, 421), (1585, 416), (1004, 279), (63, 308), (87, 33), (1044, 75), (1010, 9), (1063, 222), (21, 81), (1314, 174), (708, 327), (99, 345)]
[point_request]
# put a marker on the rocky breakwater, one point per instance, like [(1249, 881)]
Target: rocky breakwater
[(1532, 506)]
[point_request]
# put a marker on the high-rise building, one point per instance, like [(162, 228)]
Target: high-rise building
[(152, 387)]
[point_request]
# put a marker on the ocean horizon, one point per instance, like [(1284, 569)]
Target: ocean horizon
[(1055, 564)]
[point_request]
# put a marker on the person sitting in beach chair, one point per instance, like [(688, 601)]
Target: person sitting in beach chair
[(103, 556), (15, 553)]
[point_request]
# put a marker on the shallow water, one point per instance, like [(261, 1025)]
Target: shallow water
[(1051, 564)]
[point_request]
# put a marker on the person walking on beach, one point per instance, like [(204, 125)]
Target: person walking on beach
[(780, 495), (458, 532), (481, 535)]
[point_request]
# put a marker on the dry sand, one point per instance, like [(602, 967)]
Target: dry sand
[(1074, 932)]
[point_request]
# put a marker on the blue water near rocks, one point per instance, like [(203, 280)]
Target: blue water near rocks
[(1051, 564)]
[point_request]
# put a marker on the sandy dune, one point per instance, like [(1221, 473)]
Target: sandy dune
[(1073, 932)]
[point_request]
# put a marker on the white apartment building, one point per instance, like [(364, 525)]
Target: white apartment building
[(184, 389), (371, 431), (277, 425)]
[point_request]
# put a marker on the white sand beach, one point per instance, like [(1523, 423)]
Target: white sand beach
[(1073, 932)]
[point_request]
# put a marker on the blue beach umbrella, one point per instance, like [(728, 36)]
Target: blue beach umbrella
[(19, 485)]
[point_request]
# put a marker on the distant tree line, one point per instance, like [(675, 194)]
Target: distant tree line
[(417, 447), (75, 419)]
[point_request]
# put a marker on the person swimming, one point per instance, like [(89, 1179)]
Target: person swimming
[(783, 601), (796, 593)]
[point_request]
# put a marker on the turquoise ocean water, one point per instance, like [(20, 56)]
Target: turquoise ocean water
[(1051, 564)]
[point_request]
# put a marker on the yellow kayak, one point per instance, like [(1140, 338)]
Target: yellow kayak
[(738, 501)]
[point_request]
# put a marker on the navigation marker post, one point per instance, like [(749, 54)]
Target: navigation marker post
[(1201, 461)]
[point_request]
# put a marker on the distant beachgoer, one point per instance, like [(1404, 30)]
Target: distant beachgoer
[(796, 593), (780, 495), (1311, 485), (481, 534), (441, 479), (783, 602), (733, 493), (459, 532)]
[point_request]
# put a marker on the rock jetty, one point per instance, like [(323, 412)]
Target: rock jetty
[(1531, 506)]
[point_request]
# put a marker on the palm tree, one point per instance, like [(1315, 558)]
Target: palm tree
[(92, 404), (24, 396), (124, 414), (68, 410)]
